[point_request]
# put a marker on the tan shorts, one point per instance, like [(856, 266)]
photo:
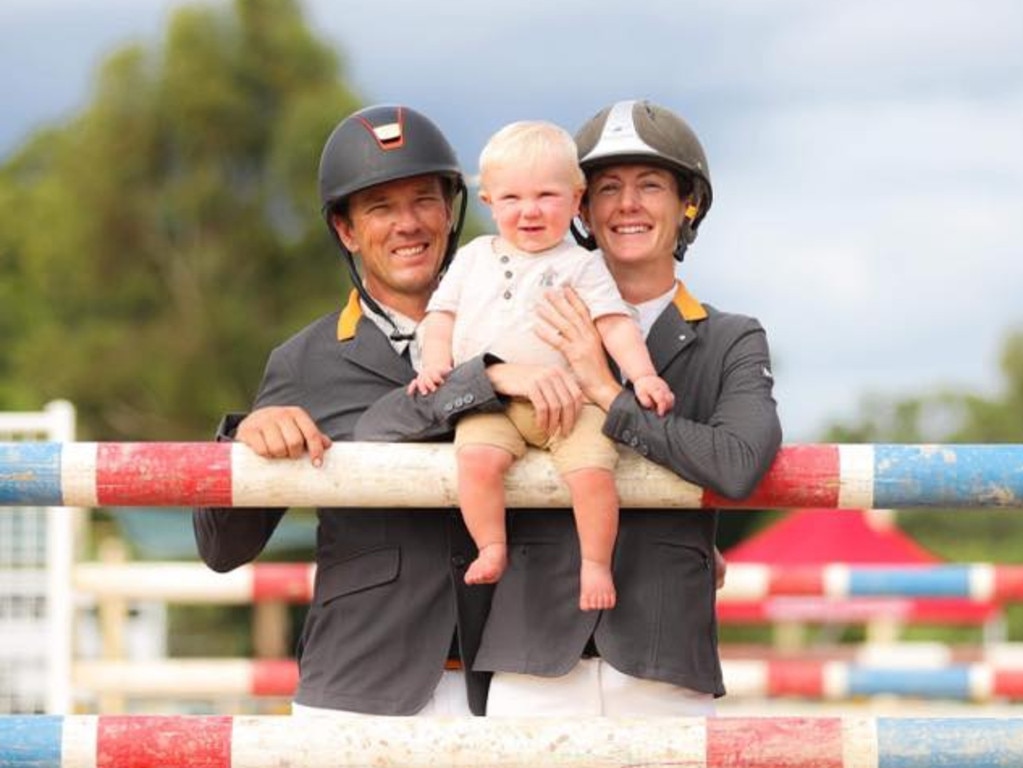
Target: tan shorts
[(586, 447)]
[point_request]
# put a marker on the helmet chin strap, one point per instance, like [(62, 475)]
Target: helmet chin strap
[(686, 233), (349, 259), (582, 235), (456, 227), (681, 246)]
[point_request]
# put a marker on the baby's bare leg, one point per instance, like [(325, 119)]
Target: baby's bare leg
[(595, 505), (481, 471)]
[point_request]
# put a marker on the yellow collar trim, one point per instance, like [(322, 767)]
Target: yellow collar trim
[(349, 317), (687, 305), (685, 302)]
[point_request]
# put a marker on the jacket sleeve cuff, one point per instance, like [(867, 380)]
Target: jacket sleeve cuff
[(401, 417), (228, 426)]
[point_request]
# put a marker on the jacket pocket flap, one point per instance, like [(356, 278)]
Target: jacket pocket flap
[(358, 572)]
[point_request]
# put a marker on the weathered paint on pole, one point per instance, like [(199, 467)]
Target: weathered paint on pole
[(424, 475), (83, 741)]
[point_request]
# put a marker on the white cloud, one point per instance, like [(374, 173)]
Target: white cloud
[(891, 46)]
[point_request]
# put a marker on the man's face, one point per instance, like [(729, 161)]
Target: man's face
[(400, 231)]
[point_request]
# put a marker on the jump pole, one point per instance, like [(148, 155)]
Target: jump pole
[(84, 741), (812, 680), (190, 582), (831, 476)]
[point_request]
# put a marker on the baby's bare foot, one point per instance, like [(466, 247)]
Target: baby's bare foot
[(488, 565), (596, 587)]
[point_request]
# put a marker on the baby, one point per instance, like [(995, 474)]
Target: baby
[(531, 181)]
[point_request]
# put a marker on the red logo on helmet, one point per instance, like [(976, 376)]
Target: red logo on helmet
[(390, 135)]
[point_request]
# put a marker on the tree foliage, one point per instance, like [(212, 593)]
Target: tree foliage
[(158, 244), (952, 416)]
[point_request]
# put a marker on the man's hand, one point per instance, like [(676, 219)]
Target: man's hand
[(283, 432), (720, 568)]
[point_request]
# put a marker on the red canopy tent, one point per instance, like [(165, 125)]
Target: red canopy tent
[(852, 536)]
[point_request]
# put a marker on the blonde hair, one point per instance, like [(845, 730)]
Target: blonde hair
[(527, 141)]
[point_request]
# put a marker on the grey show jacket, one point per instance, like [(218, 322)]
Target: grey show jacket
[(389, 590)]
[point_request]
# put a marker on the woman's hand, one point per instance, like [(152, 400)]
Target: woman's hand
[(553, 392), (565, 324)]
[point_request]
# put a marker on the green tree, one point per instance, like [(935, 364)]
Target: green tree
[(158, 244), (953, 417)]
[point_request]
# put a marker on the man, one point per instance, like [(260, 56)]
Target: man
[(656, 652), (391, 615)]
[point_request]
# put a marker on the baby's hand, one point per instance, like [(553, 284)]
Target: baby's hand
[(429, 378), (654, 393)]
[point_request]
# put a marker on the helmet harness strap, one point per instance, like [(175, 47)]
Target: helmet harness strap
[(582, 235), (686, 235), (353, 273)]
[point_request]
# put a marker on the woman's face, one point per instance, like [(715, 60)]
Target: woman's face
[(634, 212)]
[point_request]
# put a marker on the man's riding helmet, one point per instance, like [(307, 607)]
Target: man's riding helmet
[(641, 132), (380, 144)]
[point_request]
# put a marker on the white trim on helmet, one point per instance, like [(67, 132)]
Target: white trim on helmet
[(619, 136)]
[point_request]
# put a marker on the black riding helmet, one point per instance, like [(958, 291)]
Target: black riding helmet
[(642, 132), (380, 144)]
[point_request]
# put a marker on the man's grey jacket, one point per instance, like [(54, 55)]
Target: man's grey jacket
[(389, 589)]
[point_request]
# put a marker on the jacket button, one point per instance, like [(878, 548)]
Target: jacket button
[(459, 402), (458, 561), (469, 399), (448, 407)]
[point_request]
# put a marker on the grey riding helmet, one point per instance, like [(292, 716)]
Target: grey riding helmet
[(386, 143), (643, 132)]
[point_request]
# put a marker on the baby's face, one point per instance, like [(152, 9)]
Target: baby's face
[(533, 204)]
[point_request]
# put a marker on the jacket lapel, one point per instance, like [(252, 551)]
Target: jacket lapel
[(674, 331), (368, 347)]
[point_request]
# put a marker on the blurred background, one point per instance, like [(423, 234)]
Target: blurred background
[(159, 230), (159, 158)]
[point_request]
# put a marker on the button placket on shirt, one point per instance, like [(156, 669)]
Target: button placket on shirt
[(508, 274)]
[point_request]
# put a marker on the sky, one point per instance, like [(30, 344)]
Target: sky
[(866, 157)]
